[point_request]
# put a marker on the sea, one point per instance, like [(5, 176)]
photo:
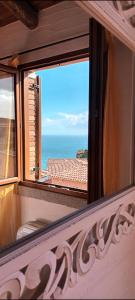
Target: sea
[(61, 146)]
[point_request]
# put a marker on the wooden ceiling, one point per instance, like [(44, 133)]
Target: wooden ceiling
[(8, 16)]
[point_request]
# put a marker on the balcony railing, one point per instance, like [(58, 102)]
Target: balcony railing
[(51, 264)]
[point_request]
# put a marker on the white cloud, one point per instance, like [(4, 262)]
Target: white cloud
[(49, 121), (7, 83), (65, 123), (75, 119), (7, 109), (7, 105)]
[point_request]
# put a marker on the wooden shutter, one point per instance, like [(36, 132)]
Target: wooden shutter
[(32, 127)]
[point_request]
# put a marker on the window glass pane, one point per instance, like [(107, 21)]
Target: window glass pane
[(8, 166), (57, 125)]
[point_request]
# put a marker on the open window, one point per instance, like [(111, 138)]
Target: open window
[(56, 101), (95, 167), (9, 122)]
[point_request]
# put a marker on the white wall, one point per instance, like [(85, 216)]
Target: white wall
[(39, 204)]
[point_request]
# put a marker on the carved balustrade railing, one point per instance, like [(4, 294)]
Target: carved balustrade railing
[(126, 10), (49, 265), (118, 16)]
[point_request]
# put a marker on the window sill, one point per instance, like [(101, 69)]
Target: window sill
[(55, 189), (9, 180)]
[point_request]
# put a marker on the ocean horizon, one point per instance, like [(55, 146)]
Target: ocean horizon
[(62, 146)]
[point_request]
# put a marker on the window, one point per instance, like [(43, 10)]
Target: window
[(108, 139), (56, 125), (8, 128)]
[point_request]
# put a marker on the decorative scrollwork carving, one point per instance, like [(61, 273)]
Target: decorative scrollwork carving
[(127, 10), (51, 274), (13, 286)]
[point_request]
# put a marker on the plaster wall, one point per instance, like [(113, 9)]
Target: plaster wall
[(38, 204)]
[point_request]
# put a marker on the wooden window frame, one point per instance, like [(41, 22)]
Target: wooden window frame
[(15, 73), (95, 158), (97, 98), (95, 121), (53, 61)]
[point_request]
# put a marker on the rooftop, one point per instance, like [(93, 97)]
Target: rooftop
[(68, 169)]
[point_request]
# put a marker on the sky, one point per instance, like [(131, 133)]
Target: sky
[(7, 104), (64, 99)]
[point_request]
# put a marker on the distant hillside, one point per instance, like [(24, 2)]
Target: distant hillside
[(82, 153)]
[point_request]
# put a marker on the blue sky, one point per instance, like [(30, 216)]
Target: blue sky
[(64, 99)]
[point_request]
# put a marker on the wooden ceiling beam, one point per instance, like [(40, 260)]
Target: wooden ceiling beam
[(23, 11)]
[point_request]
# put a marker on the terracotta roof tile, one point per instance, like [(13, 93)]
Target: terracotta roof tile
[(68, 169)]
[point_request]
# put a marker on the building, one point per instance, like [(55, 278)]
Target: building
[(68, 172)]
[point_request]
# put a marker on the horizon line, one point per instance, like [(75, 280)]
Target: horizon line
[(53, 134)]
